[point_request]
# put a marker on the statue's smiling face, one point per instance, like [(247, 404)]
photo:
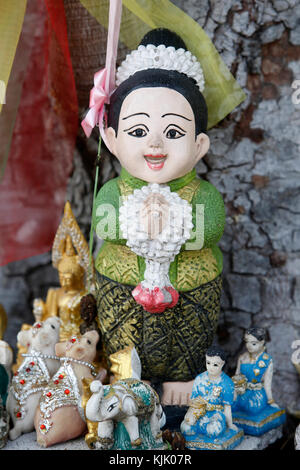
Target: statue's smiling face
[(156, 135)]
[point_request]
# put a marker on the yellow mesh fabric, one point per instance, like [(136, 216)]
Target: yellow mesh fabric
[(222, 92), (11, 20)]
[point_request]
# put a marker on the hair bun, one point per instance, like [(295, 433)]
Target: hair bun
[(163, 36)]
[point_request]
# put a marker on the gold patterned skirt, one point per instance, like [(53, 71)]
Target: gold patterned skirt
[(171, 345)]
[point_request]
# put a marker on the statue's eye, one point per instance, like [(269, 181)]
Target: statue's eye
[(138, 132), (52, 326), (111, 407), (173, 133), (89, 342)]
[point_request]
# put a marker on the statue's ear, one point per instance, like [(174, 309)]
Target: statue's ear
[(23, 338), (202, 145), (128, 405), (110, 135)]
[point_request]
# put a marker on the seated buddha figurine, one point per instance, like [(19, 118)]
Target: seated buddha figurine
[(254, 408), (208, 422), (70, 255)]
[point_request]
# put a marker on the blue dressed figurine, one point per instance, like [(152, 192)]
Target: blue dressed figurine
[(254, 408), (208, 422)]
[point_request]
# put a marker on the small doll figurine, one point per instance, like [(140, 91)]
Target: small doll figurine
[(254, 408), (159, 283), (208, 421)]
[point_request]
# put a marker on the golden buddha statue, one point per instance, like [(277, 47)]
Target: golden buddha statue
[(70, 255)]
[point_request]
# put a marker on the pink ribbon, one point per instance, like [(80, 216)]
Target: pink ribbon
[(104, 79), (98, 98)]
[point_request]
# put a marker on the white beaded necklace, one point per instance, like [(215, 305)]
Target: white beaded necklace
[(64, 358)]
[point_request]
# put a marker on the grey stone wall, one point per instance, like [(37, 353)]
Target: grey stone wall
[(254, 161)]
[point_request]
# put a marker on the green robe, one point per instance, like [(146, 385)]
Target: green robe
[(171, 345), (191, 267)]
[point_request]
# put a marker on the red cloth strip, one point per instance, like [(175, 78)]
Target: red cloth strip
[(32, 193)]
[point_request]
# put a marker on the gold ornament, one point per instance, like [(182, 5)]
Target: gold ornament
[(121, 364), (67, 231), (70, 255), (198, 406), (92, 435)]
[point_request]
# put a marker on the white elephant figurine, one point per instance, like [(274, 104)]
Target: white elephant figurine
[(38, 367), (129, 415)]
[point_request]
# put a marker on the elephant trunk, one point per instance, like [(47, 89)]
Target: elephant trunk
[(92, 409)]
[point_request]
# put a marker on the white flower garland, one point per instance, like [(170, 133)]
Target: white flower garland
[(160, 251), (161, 57)]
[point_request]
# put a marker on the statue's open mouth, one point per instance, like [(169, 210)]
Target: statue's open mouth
[(155, 162)]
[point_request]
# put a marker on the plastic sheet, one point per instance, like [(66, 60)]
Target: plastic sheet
[(32, 192)]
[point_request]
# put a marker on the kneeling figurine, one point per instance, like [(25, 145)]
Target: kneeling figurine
[(208, 422), (129, 414), (254, 408)]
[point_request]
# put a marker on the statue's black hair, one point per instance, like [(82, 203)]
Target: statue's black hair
[(163, 36), (177, 81), (216, 351), (258, 332)]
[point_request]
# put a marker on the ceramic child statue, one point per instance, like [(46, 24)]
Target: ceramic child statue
[(254, 409), (208, 422), (159, 268)]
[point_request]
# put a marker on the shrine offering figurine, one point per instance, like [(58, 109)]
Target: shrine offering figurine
[(70, 255), (254, 408), (159, 268), (129, 415), (124, 364), (60, 416), (28, 382), (6, 358), (208, 422)]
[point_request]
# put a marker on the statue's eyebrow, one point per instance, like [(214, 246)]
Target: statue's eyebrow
[(174, 114), (135, 114)]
